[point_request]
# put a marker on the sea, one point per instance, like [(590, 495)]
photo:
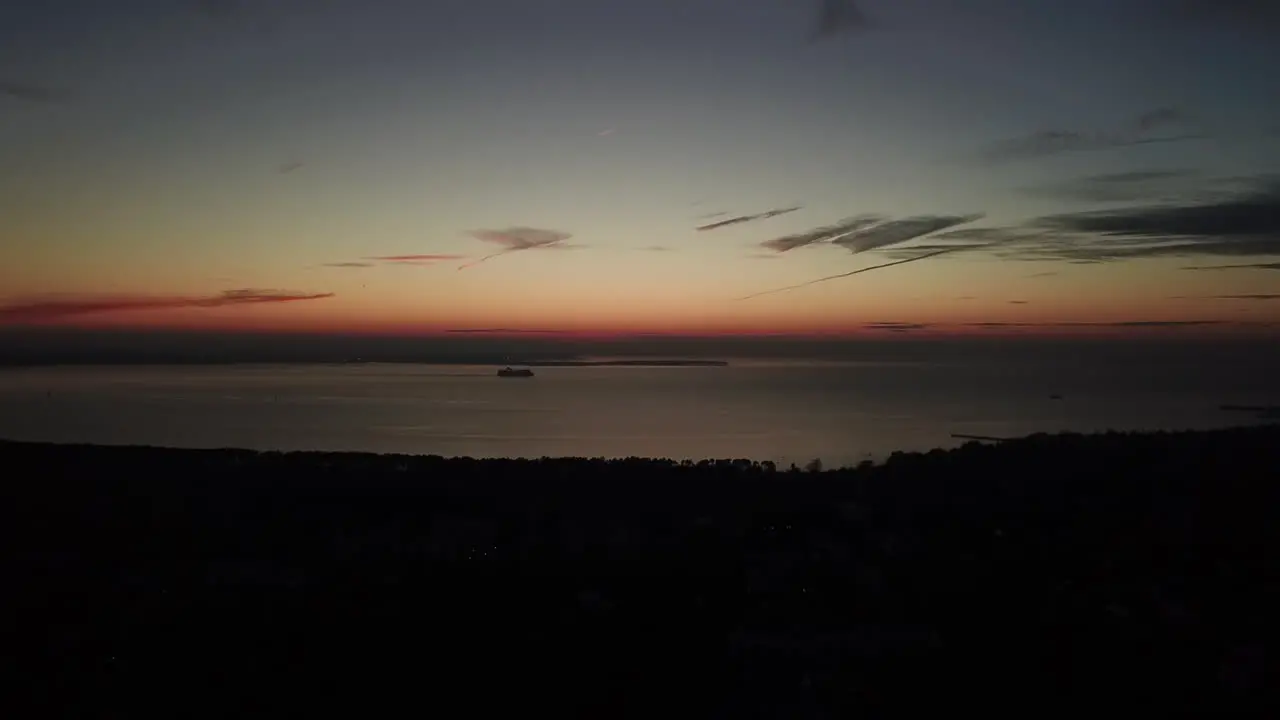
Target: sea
[(785, 411)]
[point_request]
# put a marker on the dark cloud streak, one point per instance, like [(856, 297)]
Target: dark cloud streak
[(963, 239), (502, 331), (895, 232), (1238, 219), (896, 327), (1246, 266), (823, 234), (415, 259), (1053, 142), (1239, 225), (1237, 14), (1118, 187), (32, 93), (853, 272), (1120, 324), (257, 16), (52, 309), (838, 16), (747, 218), (517, 239)]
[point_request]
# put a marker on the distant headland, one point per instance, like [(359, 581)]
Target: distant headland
[(624, 363), (568, 362)]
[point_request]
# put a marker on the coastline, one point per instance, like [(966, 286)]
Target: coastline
[(1045, 442), (1131, 570)]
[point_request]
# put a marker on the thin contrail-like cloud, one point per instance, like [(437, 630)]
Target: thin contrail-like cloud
[(859, 271), (748, 218), (904, 261)]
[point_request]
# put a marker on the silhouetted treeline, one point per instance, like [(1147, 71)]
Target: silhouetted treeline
[(1134, 573)]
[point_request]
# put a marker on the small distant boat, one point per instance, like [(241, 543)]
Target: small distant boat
[(515, 372)]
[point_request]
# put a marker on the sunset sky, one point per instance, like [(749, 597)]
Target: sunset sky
[(340, 165)]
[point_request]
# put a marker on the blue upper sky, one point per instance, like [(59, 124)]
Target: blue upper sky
[(144, 140)]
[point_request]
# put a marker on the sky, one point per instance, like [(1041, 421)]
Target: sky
[(451, 166)]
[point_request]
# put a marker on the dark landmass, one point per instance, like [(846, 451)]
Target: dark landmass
[(1144, 358), (394, 360), (407, 359), (984, 438), (1263, 412), (1056, 575), (624, 363), (214, 360)]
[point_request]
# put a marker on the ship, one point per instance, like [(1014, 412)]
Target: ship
[(515, 372)]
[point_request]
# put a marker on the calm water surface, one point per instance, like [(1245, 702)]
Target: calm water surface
[(842, 413)]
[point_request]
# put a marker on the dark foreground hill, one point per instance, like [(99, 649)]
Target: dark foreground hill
[(1051, 575)]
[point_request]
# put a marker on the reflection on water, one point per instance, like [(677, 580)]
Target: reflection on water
[(843, 413)]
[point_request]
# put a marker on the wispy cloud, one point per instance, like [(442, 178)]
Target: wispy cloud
[(1044, 274), (1245, 266), (900, 231), (823, 234), (944, 241), (1018, 302), (1139, 132), (897, 327), (1247, 14), (517, 239), (415, 259), (748, 218), (838, 16), (31, 92), (1242, 224), (499, 330), (54, 308), (1120, 324), (288, 167), (851, 273), (657, 248), (257, 15), (870, 231), (219, 8), (1119, 187), (1255, 296), (348, 265), (895, 232), (1160, 117), (708, 216)]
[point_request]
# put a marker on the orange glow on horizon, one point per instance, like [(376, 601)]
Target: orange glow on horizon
[(860, 329)]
